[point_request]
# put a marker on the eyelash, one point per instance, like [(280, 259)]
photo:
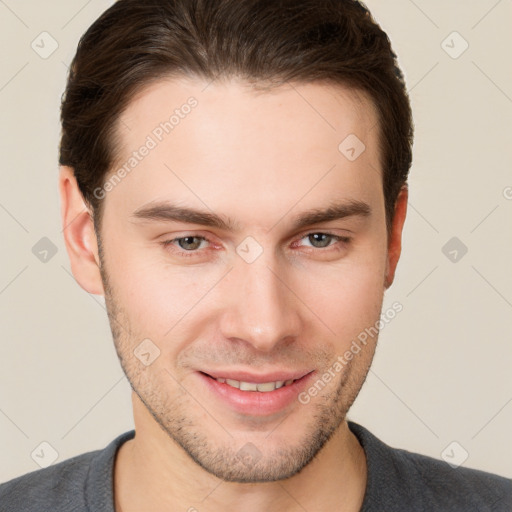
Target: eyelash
[(187, 254)]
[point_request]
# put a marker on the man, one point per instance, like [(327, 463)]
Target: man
[(234, 182)]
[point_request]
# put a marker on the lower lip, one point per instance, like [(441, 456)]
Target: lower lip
[(256, 403)]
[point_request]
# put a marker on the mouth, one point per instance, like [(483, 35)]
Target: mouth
[(262, 386), (255, 395)]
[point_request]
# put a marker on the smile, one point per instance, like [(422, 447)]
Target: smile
[(257, 395), (263, 387)]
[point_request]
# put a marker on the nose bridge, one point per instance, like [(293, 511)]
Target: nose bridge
[(262, 310)]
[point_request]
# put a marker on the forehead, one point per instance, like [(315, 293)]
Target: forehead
[(236, 104), (224, 144)]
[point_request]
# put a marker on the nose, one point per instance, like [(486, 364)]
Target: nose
[(262, 310)]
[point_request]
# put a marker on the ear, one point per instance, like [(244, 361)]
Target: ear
[(395, 238), (79, 234)]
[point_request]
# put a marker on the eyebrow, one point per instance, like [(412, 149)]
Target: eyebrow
[(165, 211)]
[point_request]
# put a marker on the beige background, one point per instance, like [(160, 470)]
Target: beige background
[(442, 372)]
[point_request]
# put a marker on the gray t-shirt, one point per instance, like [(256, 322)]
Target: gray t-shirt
[(398, 481)]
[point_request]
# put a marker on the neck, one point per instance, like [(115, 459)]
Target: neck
[(153, 473)]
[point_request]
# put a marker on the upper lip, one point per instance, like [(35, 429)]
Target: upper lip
[(243, 376)]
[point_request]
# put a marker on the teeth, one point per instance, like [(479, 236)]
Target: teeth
[(248, 386), (266, 386), (263, 387), (233, 383)]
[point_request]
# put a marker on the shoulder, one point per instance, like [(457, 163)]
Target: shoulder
[(418, 482), (49, 488), (449, 488), (67, 485)]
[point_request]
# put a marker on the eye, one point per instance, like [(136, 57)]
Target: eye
[(189, 244), (320, 240)]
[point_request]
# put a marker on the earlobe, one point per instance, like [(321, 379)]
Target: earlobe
[(79, 234), (395, 238)]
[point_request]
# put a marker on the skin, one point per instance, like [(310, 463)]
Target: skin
[(260, 159)]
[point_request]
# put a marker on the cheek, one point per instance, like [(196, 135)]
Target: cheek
[(161, 301), (142, 297), (348, 297), (157, 304)]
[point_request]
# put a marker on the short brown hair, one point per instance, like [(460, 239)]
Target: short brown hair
[(136, 42)]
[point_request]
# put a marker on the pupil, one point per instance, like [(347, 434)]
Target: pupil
[(187, 241), (316, 236)]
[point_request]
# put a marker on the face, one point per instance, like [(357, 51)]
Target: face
[(228, 300)]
